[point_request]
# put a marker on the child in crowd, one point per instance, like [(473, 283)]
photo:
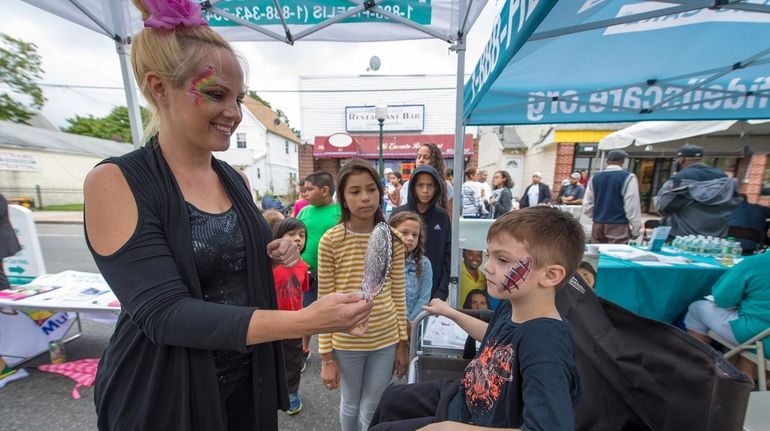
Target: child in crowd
[(419, 274), (587, 272), (361, 366), (302, 202), (424, 193), (471, 277), (272, 216), (319, 216), (476, 300), (290, 285), (524, 375)]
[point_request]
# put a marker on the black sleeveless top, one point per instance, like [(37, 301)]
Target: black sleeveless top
[(220, 255)]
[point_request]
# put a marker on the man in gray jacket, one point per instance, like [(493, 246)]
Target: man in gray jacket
[(698, 199)]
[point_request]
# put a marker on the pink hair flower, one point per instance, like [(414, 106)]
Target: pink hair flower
[(171, 13)]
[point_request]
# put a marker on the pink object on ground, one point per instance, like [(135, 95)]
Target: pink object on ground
[(82, 371)]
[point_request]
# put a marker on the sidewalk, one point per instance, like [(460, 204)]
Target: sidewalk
[(65, 217)]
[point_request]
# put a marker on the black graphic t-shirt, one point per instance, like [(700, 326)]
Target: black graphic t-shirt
[(524, 376)]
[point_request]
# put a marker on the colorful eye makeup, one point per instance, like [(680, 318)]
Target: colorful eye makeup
[(517, 275), (201, 83)]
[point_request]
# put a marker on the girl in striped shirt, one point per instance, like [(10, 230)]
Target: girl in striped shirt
[(361, 366)]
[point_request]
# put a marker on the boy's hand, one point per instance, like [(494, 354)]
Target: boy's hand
[(438, 306)]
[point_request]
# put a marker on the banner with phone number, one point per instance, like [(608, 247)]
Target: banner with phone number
[(297, 12)]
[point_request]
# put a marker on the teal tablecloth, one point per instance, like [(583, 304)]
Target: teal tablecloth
[(657, 292)]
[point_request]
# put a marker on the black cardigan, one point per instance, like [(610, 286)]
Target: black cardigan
[(158, 371)]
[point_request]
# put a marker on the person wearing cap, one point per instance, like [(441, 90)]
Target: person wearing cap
[(536, 193), (698, 199), (572, 192), (612, 202)]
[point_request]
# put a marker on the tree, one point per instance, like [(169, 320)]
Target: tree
[(20, 69), (115, 125)]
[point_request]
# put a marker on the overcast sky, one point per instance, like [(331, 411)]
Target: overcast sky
[(73, 55)]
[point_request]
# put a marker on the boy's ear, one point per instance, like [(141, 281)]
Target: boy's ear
[(553, 276), (325, 191)]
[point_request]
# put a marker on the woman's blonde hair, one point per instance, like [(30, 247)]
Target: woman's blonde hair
[(174, 54)]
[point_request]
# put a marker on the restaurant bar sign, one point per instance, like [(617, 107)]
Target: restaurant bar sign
[(401, 118)]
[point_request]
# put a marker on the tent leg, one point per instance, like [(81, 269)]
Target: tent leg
[(454, 291), (122, 42), (132, 100)]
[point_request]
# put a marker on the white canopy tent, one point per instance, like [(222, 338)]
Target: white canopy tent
[(653, 132), (292, 20)]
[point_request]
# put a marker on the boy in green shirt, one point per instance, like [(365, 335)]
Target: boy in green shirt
[(321, 215)]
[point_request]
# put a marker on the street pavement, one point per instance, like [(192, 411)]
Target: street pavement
[(44, 400)]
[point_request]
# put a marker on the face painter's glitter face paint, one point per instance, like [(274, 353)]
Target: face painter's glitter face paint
[(201, 83), (517, 274)]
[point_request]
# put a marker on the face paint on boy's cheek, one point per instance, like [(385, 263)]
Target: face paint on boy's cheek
[(199, 85), (517, 275)]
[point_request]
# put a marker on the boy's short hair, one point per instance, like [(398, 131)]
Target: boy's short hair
[(550, 235), (321, 179)]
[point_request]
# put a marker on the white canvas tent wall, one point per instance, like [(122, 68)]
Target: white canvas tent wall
[(727, 134), (238, 20)]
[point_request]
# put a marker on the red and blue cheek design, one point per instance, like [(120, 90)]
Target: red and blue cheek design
[(518, 274)]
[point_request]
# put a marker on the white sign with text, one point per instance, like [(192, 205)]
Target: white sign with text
[(403, 118)]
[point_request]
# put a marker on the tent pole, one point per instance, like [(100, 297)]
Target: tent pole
[(121, 46), (459, 48), (132, 100)]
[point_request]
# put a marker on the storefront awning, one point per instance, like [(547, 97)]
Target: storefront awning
[(393, 146)]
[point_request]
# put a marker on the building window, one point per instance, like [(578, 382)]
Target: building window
[(286, 146), (766, 178), (586, 157), (240, 139), (259, 173)]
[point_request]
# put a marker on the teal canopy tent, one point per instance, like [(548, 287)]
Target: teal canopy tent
[(592, 61)]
